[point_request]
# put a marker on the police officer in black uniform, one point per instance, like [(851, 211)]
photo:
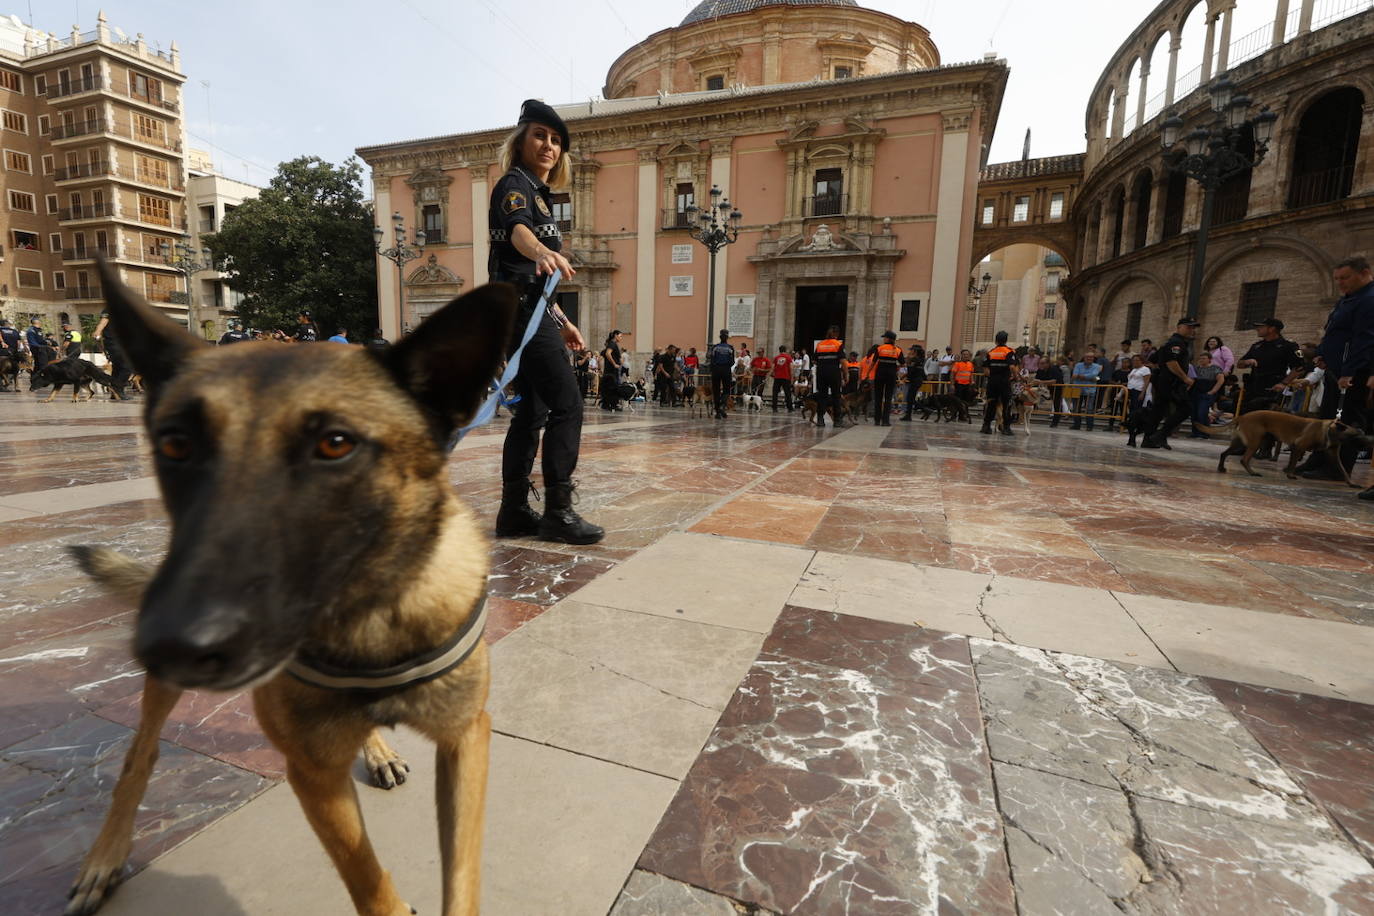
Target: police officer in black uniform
[(888, 358), (525, 247), (721, 361), (306, 331), (1171, 382), (1001, 361), (1273, 361), (120, 369), (235, 334)]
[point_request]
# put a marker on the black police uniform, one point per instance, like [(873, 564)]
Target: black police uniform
[(1274, 359), (120, 368), (1348, 348), (610, 376), (42, 351), (999, 362), (1170, 392), (721, 361), (888, 357), (10, 337), (546, 384), (307, 332), (233, 335)]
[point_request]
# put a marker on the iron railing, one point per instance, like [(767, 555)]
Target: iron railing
[(82, 292), (1321, 187), (86, 252), (826, 205), (674, 218), (89, 211), (84, 170), (72, 87), (79, 128)]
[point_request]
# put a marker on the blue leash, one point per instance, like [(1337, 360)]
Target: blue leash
[(488, 408)]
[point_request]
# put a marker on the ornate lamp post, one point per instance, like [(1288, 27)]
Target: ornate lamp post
[(187, 261), (399, 254), (977, 292), (1212, 154), (717, 226)]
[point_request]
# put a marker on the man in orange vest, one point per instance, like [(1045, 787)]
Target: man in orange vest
[(963, 377), (851, 372), (887, 357), (829, 376), (1002, 363)]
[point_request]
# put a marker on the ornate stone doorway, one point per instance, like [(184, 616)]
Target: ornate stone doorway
[(818, 307)]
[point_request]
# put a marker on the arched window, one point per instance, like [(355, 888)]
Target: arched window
[(1233, 197), (1324, 155), (1140, 193), (1174, 197), (1118, 218)]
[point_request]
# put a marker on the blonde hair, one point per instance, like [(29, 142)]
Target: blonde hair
[(560, 176)]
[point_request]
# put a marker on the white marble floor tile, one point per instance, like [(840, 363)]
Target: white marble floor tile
[(563, 832), (702, 577), (86, 496), (1323, 657)]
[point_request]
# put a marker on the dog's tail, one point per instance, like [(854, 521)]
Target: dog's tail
[(120, 576)]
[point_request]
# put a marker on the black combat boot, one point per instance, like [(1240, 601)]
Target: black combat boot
[(516, 518), (561, 523)]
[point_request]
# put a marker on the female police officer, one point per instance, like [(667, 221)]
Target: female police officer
[(525, 246)]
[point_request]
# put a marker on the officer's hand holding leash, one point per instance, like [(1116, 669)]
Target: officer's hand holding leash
[(546, 262)]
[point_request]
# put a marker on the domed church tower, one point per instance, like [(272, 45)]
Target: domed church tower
[(723, 43)]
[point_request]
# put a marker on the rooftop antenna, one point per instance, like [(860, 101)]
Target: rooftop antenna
[(211, 118)]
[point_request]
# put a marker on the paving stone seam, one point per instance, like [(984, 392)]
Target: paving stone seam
[(1158, 648), (597, 663), (701, 623), (983, 719), (577, 753), (999, 634)]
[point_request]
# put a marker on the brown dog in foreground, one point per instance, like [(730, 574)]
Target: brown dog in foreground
[(1303, 434), (318, 555)]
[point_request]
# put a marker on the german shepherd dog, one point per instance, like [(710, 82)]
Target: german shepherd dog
[(1303, 434), (366, 579), (76, 372), (10, 364)]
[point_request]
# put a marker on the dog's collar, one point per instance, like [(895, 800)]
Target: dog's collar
[(432, 664)]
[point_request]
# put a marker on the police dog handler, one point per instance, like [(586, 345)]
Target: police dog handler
[(525, 248)]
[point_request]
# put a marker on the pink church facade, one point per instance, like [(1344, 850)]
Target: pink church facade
[(851, 153)]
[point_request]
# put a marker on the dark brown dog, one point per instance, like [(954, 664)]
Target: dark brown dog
[(1303, 434), (317, 549)]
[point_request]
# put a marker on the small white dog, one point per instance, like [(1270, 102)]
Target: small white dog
[(753, 401)]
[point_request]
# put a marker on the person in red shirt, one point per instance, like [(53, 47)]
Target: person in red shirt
[(782, 378), (759, 365), (690, 362)]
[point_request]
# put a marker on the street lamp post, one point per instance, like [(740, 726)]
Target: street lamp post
[(717, 226), (188, 262), (977, 292), (1211, 155), (400, 254)]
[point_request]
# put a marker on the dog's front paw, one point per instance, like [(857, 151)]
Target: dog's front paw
[(93, 886), (385, 768)]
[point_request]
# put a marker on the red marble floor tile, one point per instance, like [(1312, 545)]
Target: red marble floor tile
[(709, 480), (1087, 572), (904, 535), (779, 519), (802, 485), (505, 616), (813, 794), (30, 625), (891, 491), (218, 725), (535, 576), (839, 464), (1326, 744), (1206, 579)]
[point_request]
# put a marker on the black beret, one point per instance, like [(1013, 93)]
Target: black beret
[(534, 111)]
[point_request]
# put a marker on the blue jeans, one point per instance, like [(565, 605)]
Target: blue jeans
[(1202, 403)]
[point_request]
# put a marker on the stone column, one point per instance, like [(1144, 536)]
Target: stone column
[(1144, 84), (1305, 17), (1175, 42), (1207, 51), (1119, 114), (1158, 197), (646, 234), (1224, 52), (1364, 175), (388, 308), (947, 264), (481, 239), (1280, 23)]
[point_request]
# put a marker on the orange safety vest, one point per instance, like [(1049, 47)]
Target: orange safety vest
[(866, 368), (1001, 358), (963, 373), (889, 354), (829, 353)]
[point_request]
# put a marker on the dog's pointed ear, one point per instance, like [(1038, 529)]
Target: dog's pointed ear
[(155, 344), (448, 362)]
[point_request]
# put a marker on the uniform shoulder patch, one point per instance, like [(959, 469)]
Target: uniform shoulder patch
[(514, 201), (543, 207)]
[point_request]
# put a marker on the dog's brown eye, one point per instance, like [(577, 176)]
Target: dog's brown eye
[(174, 446), (333, 446)]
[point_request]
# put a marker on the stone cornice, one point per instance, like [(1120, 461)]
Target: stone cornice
[(934, 91)]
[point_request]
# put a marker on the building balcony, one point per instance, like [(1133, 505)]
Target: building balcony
[(91, 211), (85, 170), (79, 129), (1320, 187), (826, 205), (62, 132), (73, 293), (208, 225), (72, 87), (86, 252), (677, 219)]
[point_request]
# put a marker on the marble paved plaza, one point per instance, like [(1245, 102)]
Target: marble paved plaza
[(874, 671)]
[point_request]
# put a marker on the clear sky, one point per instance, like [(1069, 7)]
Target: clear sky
[(269, 80)]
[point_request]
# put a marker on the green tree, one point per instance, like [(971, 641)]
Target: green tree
[(303, 245)]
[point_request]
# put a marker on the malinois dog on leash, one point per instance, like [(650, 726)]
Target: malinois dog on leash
[(318, 555), (1303, 434)]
